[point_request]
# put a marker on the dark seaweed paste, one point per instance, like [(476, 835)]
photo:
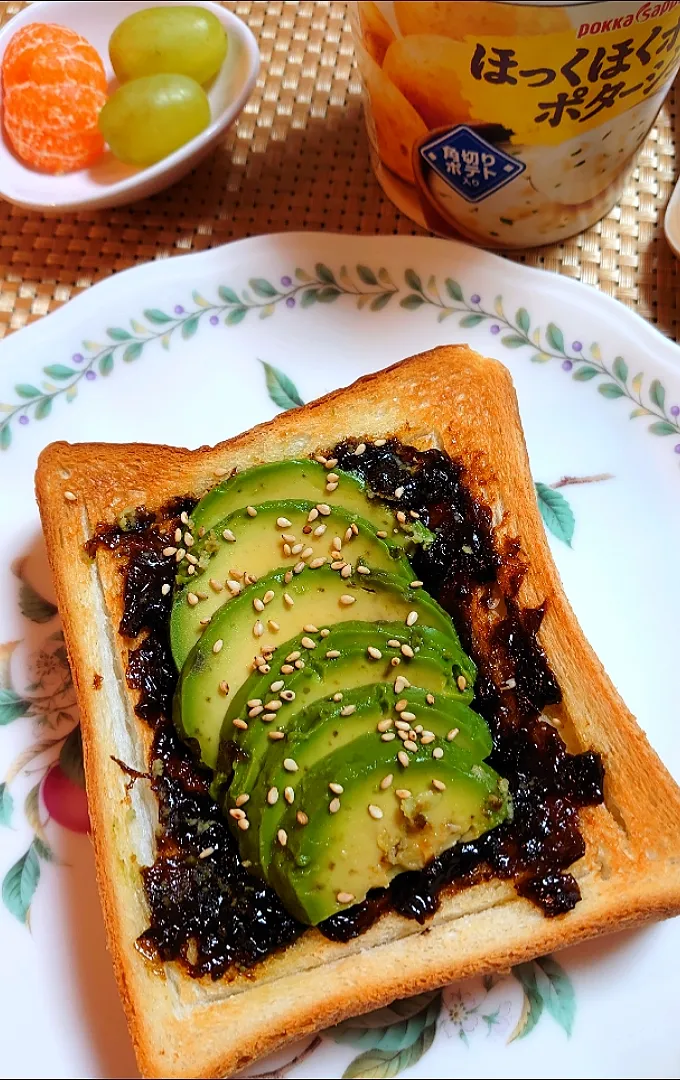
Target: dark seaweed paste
[(206, 910)]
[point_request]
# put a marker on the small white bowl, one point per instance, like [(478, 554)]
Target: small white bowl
[(109, 182)]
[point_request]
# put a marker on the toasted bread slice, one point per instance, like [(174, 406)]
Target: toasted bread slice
[(183, 1027)]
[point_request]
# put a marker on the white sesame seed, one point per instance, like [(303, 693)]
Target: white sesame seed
[(346, 571), (168, 551), (287, 669), (363, 570), (323, 508), (292, 657), (275, 736), (165, 589), (288, 695), (402, 757), (331, 462), (408, 715), (336, 543), (400, 683), (382, 534), (429, 699), (224, 687), (288, 537), (375, 811), (184, 518), (332, 654), (380, 442), (401, 705), (386, 781), (332, 478), (330, 488), (412, 618), (307, 643), (334, 806), (427, 738), (320, 458), (251, 511), (70, 496), (462, 682), (395, 661), (360, 449), (216, 585), (348, 710), (348, 534), (298, 568), (177, 535), (241, 800), (439, 785), (393, 643), (283, 523), (386, 724), (206, 852), (192, 560), (399, 492), (243, 823), (258, 628), (254, 702), (205, 622), (267, 717), (324, 633), (337, 789), (240, 724), (416, 585), (290, 765), (345, 897), (313, 514), (401, 517), (316, 563), (401, 725), (249, 579), (403, 735), (258, 604), (346, 600), (288, 794), (301, 818), (296, 549), (287, 550), (338, 696), (234, 587), (228, 535), (217, 647), (274, 706), (338, 564), (188, 539), (403, 793), (410, 745), (288, 577), (355, 528), (311, 628), (282, 837), (407, 651), (307, 553), (452, 734), (388, 736), (437, 752), (288, 599), (236, 813), (320, 529), (276, 686), (374, 653)]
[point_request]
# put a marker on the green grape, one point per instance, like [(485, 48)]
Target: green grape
[(168, 40), (146, 119)]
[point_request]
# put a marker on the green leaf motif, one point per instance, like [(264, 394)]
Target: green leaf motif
[(636, 382), (116, 333), (662, 427), (43, 849), (59, 371), (611, 390), (236, 316), (620, 369), (513, 341), (540, 358), (328, 294), (411, 302), (190, 327), (280, 388), (71, 757), (397, 1047), (200, 300), (470, 320), (533, 1002), (308, 298), (324, 274), (585, 373), (454, 290), (106, 364), (155, 315), (555, 337), (32, 809), (657, 394), (33, 606), (133, 351), (12, 706), (392, 1028), (366, 275), (381, 301), (261, 287), (20, 884), (522, 319), (6, 805), (556, 512), (228, 295), (5, 437), (413, 281), (26, 390), (43, 408), (558, 995)]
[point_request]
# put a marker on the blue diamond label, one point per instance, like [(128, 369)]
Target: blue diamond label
[(473, 167)]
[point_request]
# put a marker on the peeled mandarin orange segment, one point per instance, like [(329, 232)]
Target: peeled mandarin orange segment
[(54, 128), (45, 54)]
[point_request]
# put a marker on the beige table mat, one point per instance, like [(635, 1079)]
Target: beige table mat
[(298, 159)]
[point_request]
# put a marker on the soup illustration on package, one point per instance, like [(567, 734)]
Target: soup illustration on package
[(512, 124)]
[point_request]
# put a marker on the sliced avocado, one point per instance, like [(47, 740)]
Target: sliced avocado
[(326, 726), (336, 858), (438, 664), (263, 542), (224, 656), (294, 479)]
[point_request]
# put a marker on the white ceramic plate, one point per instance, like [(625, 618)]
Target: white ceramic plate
[(173, 351)]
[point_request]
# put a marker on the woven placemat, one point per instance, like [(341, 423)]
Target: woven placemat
[(298, 159)]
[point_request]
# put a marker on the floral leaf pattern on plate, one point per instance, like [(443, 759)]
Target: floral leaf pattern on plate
[(556, 512), (20, 883), (280, 388), (397, 1045)]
